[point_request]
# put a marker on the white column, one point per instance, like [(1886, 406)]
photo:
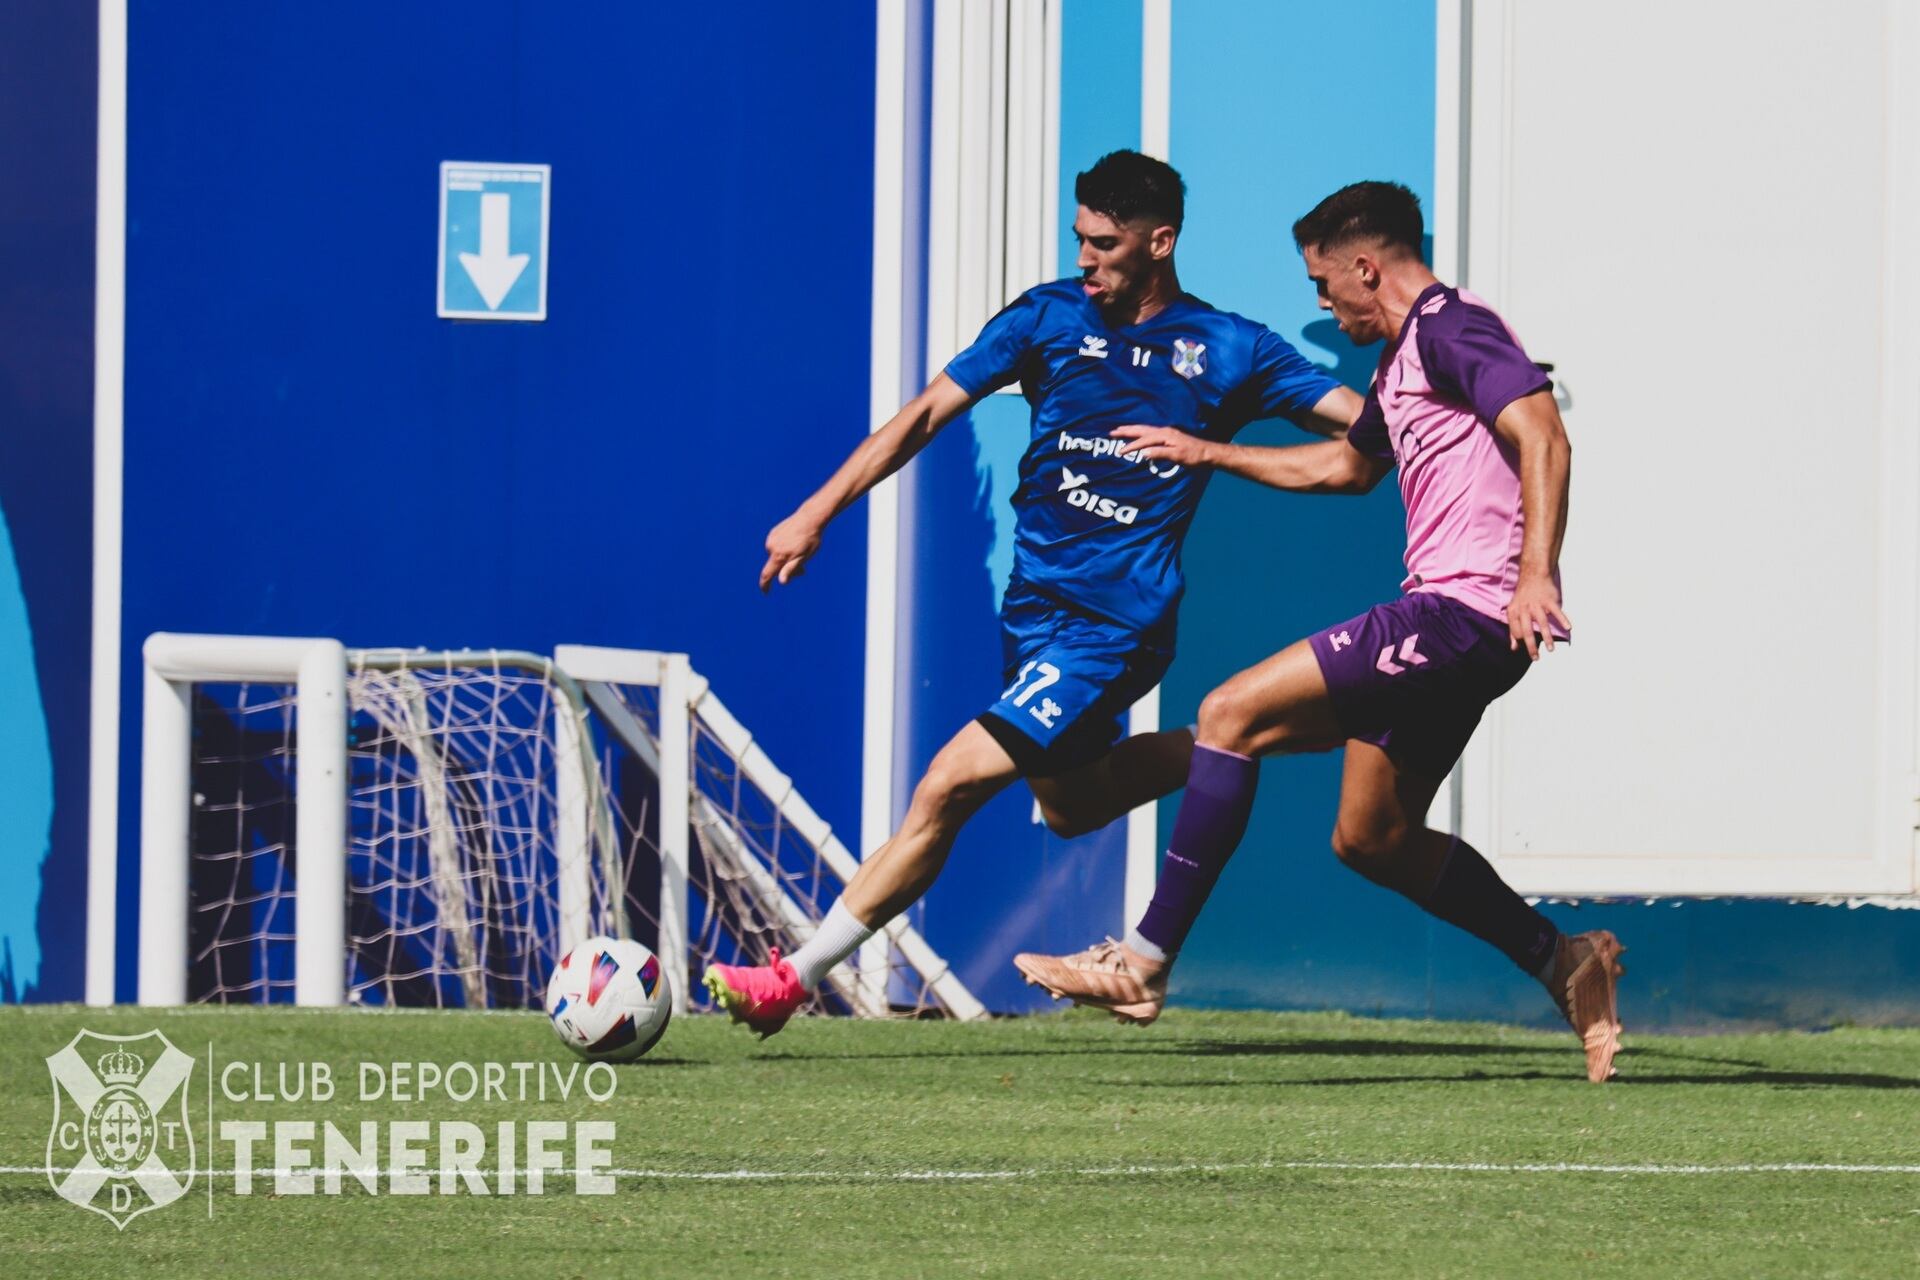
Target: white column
[(1143, 823), (676, 778), (885, 394), (1156, 77), (320, 828), (166, 798), (109, 360), (1050, 148), (1156, 93), (571, 826)]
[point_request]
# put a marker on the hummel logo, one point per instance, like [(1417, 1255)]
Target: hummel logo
[(1069, 480), (1092, 346), (1341, 641), (1045, 712), (1408, 655)]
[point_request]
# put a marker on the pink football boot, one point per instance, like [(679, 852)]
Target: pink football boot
[(763, 996)]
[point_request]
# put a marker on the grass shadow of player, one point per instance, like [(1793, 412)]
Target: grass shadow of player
[(1780, 1079), (1628, 1076), (1197, 1049)]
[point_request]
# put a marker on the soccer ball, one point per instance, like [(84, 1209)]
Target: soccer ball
[(608, 999)]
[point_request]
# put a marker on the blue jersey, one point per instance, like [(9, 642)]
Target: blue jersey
[(1095, 529)]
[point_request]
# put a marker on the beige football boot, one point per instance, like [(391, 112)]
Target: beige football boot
[(1106, 976), (1585, 972)]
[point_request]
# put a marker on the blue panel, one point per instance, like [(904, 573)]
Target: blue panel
[(1263, 126), (311, 451), (47, 106), (1099, 94)]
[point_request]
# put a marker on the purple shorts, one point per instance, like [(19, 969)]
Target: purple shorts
[(1413, 676)]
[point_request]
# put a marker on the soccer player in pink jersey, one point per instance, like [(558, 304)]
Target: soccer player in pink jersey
[(1471, 423)]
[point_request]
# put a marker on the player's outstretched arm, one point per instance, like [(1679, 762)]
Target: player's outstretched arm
[(792, 542), (1334, 413), (1327, 466), (1532, 426)]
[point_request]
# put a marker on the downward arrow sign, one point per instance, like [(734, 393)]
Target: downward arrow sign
[(493, 270)]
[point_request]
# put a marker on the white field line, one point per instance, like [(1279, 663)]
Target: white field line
[(1100, 1171)]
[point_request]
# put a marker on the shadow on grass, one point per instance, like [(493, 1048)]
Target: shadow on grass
[(1627, 1076), (1667, 1067), (1201, 1049)]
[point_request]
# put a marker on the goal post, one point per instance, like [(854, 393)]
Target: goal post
[(388, 688), (686, 698), (384, 826), (318, 669)]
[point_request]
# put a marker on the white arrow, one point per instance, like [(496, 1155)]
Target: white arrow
[(493, 270)]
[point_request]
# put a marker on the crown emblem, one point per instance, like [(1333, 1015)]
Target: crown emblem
[(120, 1067)]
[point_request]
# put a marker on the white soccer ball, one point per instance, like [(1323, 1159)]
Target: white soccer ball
[(609, 1000)]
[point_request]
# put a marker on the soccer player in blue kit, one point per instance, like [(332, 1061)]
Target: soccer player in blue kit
[(1088, 617)]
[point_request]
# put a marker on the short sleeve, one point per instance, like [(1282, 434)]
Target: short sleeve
[(1369, 433), (1468, 352), (994, 359), (1284, 383)]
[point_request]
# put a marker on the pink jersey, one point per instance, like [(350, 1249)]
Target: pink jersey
[(1435, 396)]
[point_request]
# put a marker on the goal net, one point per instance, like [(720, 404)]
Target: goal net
[(489, 810)]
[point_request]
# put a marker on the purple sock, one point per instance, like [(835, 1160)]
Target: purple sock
[(1213, 817), (1470, 894)]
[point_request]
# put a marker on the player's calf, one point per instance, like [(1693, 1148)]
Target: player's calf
[(1388, 854), (1138, 770)]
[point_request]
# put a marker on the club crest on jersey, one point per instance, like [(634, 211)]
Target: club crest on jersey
[(1189, 358)]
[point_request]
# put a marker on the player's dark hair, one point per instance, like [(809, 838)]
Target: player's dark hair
[(1382, 211), (1125, 185)]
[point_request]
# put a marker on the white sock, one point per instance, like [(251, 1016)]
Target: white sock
[(1144, 949), (838, 937)]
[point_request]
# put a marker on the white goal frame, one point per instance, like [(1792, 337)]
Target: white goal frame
[(583, 677), (685, 693)]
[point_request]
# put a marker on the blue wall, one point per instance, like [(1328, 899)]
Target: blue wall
[(47, 111), (311, 451)]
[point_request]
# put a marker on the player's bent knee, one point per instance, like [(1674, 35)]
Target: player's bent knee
[(1368, 846), (947, 790), (1071, 823), (1227, 718)]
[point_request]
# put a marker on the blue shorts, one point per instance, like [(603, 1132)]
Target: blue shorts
[(1071, 677)]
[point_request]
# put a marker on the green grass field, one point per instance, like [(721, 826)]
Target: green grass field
[(1210, 1144)]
